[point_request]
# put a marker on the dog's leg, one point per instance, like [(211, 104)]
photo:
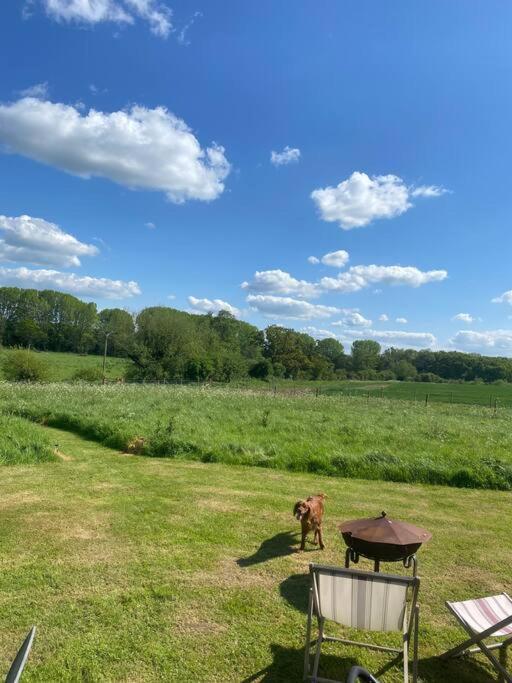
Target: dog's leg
[(303, 540), (320, 538), (315, 537)]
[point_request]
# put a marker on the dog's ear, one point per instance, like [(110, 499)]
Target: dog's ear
[(296, 507)]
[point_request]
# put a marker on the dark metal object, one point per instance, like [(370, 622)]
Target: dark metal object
[(357, 674), (382, 539)]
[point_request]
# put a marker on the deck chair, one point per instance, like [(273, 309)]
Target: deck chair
[(484, 618), (14, 674), (361, 600)]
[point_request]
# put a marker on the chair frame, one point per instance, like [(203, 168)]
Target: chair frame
[(477, 638), (409, 632)]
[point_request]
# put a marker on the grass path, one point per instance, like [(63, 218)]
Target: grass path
[(146, 569)]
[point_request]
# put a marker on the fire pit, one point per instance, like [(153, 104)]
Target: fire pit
[(382, 539)]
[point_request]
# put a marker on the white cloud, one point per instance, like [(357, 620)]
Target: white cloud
[(285, 307), (352, 318), (464, 317), (81, 285), (289, 155), (280, 282), (150, 225), (139, 148), (155, 13), (401, 321), (182, 39), (498, 341), (33, 240), (313, 259), (39, 90), (359, 277), (212, 306), (383, 317), (318, 334), (171, 297), (399, 338), (337, 259), (505, 298), (360, 199)]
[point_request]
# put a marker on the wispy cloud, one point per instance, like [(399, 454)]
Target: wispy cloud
[(289, 155)]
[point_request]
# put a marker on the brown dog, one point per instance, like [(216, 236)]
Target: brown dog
[(310, 513)]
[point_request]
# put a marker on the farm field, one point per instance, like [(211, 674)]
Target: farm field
[(468, 393), (457, 445), (22, 442), (62, 366), (150, 569)]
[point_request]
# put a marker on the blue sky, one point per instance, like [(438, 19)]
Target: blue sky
[(390, 124)]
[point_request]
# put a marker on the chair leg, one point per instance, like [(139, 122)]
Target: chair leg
[(406, 651), (503, 661), (307, 647), (416, 617), (316, 663)]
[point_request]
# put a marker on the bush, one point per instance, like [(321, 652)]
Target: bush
[(88, 375), (24, 366)]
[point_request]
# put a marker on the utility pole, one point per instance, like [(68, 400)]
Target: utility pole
[(107, 335)]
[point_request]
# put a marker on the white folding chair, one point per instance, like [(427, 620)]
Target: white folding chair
[(484, 618), (362, 600)]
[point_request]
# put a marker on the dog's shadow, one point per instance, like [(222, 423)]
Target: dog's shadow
[(280, 545)]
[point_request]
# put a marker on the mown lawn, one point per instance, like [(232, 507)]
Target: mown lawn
[(151, 569), (335, 435)]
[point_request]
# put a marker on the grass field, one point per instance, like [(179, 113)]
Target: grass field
[(432, 392), (62, 366), (22, 442), (338, 436), (150, 569)]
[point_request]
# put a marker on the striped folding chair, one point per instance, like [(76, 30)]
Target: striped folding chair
[(362, 600), (485, 618)]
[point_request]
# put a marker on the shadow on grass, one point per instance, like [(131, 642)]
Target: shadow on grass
[(295, 590), (280, 545), (287, 665)]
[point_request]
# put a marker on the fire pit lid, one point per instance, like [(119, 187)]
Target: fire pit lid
[(385, 530)]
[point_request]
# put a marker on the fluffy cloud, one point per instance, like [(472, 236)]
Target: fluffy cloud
[(33, 240), (336, 259), (313, 259), (212, 306), (383, 318), (401, 321), (285, 307), (352, 318), (39, 90), (360, 199), (464, 317), (318, 334), (155, 13), (81, 285), (359, 277), (289, 155), (498, 341), (419, 340), (139, 148), (505, 298), (280, 282)]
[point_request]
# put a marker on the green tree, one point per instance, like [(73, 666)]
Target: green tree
[(365, 355)]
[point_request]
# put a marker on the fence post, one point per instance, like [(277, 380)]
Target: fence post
[(426, 399), (275, 389), (495, 406), (451, 396)]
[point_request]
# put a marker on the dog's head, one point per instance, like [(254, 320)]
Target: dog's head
[(301, 509)]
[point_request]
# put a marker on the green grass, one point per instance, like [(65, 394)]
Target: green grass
[(22, 443), (465, 392), (62, 366), (149, 569), (456, 445)]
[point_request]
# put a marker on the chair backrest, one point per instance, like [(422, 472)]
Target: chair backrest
[(20, 660), (362, 600)]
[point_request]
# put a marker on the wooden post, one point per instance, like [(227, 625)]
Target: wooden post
[(495, 406), (451, 396), (426, 399)]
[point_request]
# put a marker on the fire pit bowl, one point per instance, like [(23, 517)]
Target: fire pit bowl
[(382, 539)]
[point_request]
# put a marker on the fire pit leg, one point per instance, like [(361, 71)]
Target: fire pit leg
[(376, 566), (347, 558), (412, 560)]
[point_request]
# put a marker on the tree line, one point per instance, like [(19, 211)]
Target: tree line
[(167, 344)]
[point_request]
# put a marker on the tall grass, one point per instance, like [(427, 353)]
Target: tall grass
[(339, 436), (22, 443)]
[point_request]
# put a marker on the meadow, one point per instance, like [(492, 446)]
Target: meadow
[(23, 443), (151, 569), (63, 366), (457, 445)]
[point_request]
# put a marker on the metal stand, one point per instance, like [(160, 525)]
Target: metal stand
[(352, 556)]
